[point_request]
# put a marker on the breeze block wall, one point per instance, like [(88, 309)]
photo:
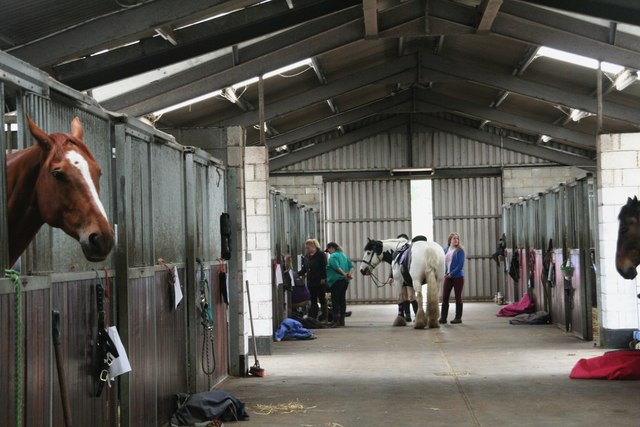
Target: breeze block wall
[(618, 179)]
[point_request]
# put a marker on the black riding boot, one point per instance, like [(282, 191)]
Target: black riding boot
[(414, 304), (401, 309), (407, 310), (444, 312), (313, 311), (458, 318)]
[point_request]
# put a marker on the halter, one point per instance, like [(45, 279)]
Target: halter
[(374, 278)]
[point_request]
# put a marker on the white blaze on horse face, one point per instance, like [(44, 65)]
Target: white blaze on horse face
[(80, 162)]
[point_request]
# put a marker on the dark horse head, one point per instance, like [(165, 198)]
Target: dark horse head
[(628, 247)]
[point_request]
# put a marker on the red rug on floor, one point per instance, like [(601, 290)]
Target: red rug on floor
[(615, 365), (525, 305)]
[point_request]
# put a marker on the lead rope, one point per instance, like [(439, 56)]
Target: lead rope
[(208, 355), (14, 276)]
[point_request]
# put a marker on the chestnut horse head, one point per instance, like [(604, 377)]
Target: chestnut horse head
[(57, 182), (628, 247)]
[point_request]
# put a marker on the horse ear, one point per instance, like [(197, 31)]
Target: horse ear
[(368, 239), (635, 198), (44, 140), (76, 128)]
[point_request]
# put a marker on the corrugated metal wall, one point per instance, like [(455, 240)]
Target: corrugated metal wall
[(169, 199), (433, 149), (357, 210), (473, 208), (440, 149)]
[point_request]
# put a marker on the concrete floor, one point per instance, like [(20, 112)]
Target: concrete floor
[(484, 372)]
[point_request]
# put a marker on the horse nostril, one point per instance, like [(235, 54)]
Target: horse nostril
[(94, 240)]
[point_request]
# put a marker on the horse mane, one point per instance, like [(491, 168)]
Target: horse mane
[(632, 207), (371, 245)]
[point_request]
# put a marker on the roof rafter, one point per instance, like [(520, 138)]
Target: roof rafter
[(507, 143), (579, 139), (489, 10), (313, 38), (400, 71), (332, 122), (118, 28), (194, 40), (449, 68)]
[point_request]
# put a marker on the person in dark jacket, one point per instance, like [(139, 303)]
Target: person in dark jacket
[(314, 267), (454, 277)]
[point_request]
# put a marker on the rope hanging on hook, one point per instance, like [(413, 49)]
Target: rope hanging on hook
[(208, 355)]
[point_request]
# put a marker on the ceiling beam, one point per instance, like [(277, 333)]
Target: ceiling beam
[(489, 10), (507, 143), (527, 23), (613, 10), (399, 71), (304, 41), (370, 11), (333, 144), (118, 28), (579, 139), (224, 31), (532, 24), (284, 48), (451, 68), (332, 122)]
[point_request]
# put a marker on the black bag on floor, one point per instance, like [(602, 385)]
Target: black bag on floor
[(207, 406)]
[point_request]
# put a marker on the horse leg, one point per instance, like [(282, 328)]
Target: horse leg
[(432, 301), (421, 321)]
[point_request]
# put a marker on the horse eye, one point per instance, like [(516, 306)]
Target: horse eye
[(58, 175)]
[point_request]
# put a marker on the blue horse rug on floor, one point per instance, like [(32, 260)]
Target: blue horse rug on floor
[(291, 329)]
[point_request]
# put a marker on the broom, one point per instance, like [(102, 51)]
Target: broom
[(255, 370)]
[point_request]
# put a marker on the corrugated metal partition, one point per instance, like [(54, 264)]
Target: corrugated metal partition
[(566, 216), (471, 206), (357, 210), (291, 225), (166, 201), (173, 201)]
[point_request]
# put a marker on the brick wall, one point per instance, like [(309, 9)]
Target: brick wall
[(618, 179), (307, 190), (526, 181)]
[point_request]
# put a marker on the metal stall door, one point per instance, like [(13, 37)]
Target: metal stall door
[(472, 207), (209, 204), (356, 210)]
